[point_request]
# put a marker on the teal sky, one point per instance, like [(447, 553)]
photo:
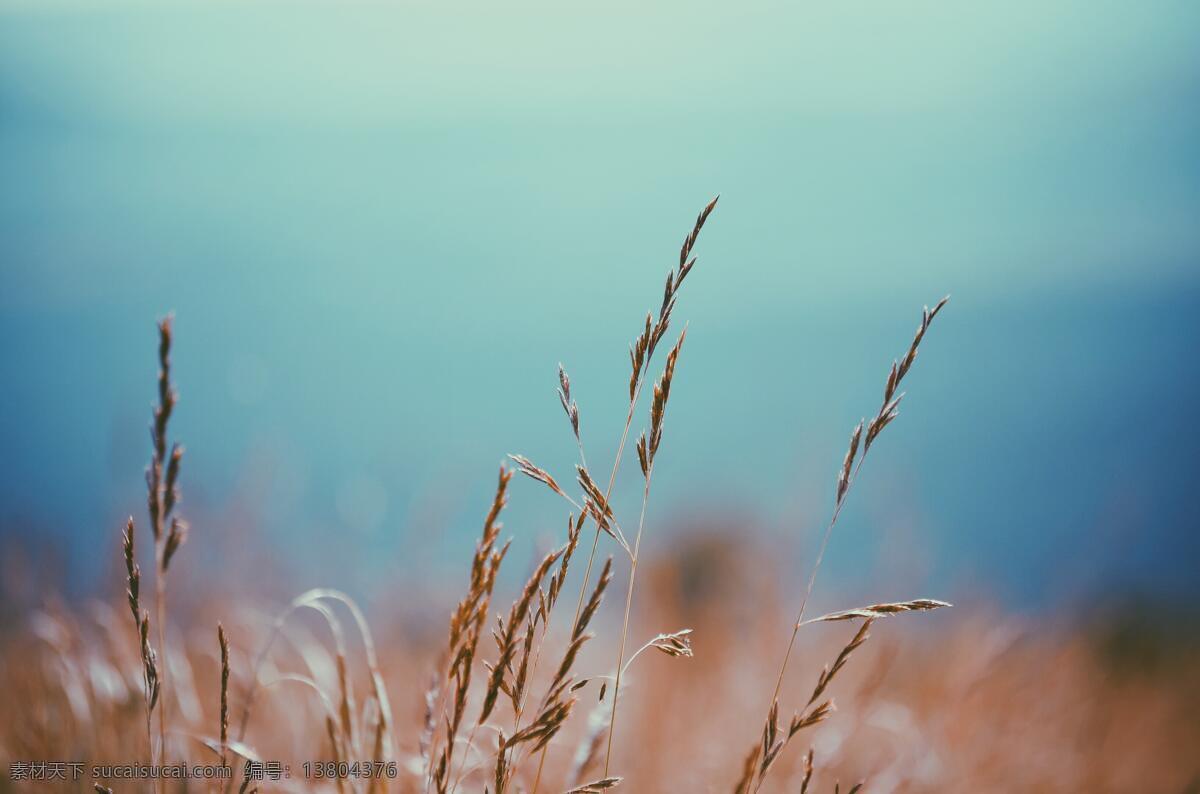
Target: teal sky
[(381, 225)]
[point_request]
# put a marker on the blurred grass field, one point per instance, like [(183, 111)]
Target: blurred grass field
[(974, 700)]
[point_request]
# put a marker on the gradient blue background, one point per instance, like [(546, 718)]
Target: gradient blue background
[(381, 225)]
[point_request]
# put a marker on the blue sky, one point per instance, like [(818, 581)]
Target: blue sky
[(381, 225)]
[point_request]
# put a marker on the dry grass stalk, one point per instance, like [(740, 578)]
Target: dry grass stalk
[(466, 626), (814, 712), (335, 747), (597, 504), (378, 748), (546, 604), (346, 705), (223, 641), (851, 465), (808, 772), (149, 664), (429, 722), (162, 495), (597, 500), (843, 481), (500, 775), (828, 673), (517, 691), (640, 354), (891, 400), (568, 404), (544, 726), (521, 614), (141, 620), (647, 452), (579, 635), (502, 677), (604, 784), (674, 644), (563, 683), (882, 610), (574, 531), (527, 467)]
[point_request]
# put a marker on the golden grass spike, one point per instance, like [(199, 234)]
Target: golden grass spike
[(223, 641), (529, 469), (828, 674), (604, 784), (677, 643), (568, 404), (883, 610), (508, 641), (808, 772)]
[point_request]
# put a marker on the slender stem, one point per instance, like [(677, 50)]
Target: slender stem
[(587, 573), (582, 457), (149, 728), (612, 478), (637, 544), (635, 655), (537, 781), (248, 702), (812, 580), (160, 604), (462, 768), (443, 694), (520, 708)]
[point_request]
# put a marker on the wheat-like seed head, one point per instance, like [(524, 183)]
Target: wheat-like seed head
[(891, 399), (604, 784), (678, 643), (574, 531), (883, 610), (568, 404), (133, 574), (149, 663), (843, 482), (828, 674), (529, 469), (648, 446), (544, 726), (162, 498), (508, 640), (223, 731)]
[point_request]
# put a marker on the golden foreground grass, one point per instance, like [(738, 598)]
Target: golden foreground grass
[(980, 702), (696, 683)]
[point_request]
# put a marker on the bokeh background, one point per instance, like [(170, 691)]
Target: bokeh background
[(382, 225)]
